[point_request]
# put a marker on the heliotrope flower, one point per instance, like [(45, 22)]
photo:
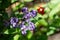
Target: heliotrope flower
[(28, 15), (31, 26), (34, 13), (27, 20), (13, 21), (24, 10), (25, 24), (24, 27), (24, 31)]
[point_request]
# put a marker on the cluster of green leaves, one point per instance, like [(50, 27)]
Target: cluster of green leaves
[(53, 20)]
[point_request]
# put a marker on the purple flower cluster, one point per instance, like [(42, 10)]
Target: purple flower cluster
[(25, 9), (30, 26), (14, 21), (26, 24), (34, 13), (28, 14)]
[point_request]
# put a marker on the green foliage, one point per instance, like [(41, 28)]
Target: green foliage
[(18, 6), (16, 37), (29, 35), (41, 22), (27, 0), (54, 11), (12, 1)]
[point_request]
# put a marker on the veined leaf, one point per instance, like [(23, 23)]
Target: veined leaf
[(13, 1), (53, 3), (6, 32), (16, 37), (37, 24), (29, 35), (38, 16), (54, 11), (50, 32), (52, 28), (41, 22)]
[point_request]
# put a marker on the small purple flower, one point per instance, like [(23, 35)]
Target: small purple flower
[(31, 26), (24, 32), (34, 13), (27, 20), (13, 21), (28, 15), (24, 9), (14, 24), (23, 27)]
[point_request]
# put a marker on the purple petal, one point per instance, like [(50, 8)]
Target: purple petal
[(24, 10), (31, 26), (14, 24), (28, 15), (24, 31), (28, 20), (23, 27), (13, 20), (34, 13)]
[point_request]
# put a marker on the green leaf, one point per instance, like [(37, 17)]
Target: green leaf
[(38, 16), (54, 11), (41, 22), (44, 30), (36, 24), (16, 37), (12, 31), (27, 0), (52, 28), (6, 32), (53, 3), (47, 9), (50, 32), (29, 34), (12, 1), (18, 7), (18, 15)]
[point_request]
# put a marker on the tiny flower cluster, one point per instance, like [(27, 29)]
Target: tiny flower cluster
[(28, 14), (14, 21), (26, 24), (30, 26)]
